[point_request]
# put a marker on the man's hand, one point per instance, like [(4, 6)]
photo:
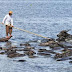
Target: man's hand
[(12, 26)]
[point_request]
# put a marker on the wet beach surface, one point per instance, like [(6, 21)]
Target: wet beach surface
[(28, 53)]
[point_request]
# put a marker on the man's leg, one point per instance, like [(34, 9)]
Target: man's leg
[(10, 31), (7, 31)]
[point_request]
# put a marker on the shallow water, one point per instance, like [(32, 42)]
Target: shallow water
[(46, 18)]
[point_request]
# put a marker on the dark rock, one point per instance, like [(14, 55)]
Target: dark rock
[(44, 54), (19, 49), (61, 39), (41, 50), (58, 44), (25, 49), (0, 48), (31, 56), (47, 40), (56, 48), (15, 55), (53, 45), (67, 53), (4, 39), (58, 55), (63, 35), (29, 53), (70, 58), (14, 47), (2, 52), (8, 52), (47, 43), (70, 61), (63, 59), (27, 44), (29, 47), (20, 60), (51, 39), (47, 51)]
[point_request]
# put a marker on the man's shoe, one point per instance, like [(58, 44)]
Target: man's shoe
[(7, 37), (10, 35)]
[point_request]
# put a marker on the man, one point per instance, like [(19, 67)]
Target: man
[(8, 21)]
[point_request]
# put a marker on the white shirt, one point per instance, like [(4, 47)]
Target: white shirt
[(8, 20)]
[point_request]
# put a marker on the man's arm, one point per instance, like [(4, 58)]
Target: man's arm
[(4, 19)]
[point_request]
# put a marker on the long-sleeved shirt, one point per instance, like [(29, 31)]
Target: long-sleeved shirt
[(8, 20)]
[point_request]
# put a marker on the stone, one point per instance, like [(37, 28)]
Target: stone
[(29, 53), (66, 53), (46, 44), (2, 52), (41, 50), (70, 58), (63, 35), (20, 60), (47, 40), (19, 49), (47, 51), (29, 47), (0, 48), (15, 55), (31, 56), (4, 39), (44, 54), (25, 44), (53, 45), (63, 59), (8, 52), (70, 61)]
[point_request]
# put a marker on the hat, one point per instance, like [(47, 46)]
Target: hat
[(10, 12)]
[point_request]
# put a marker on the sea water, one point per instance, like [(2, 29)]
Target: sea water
[(44, 17)]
